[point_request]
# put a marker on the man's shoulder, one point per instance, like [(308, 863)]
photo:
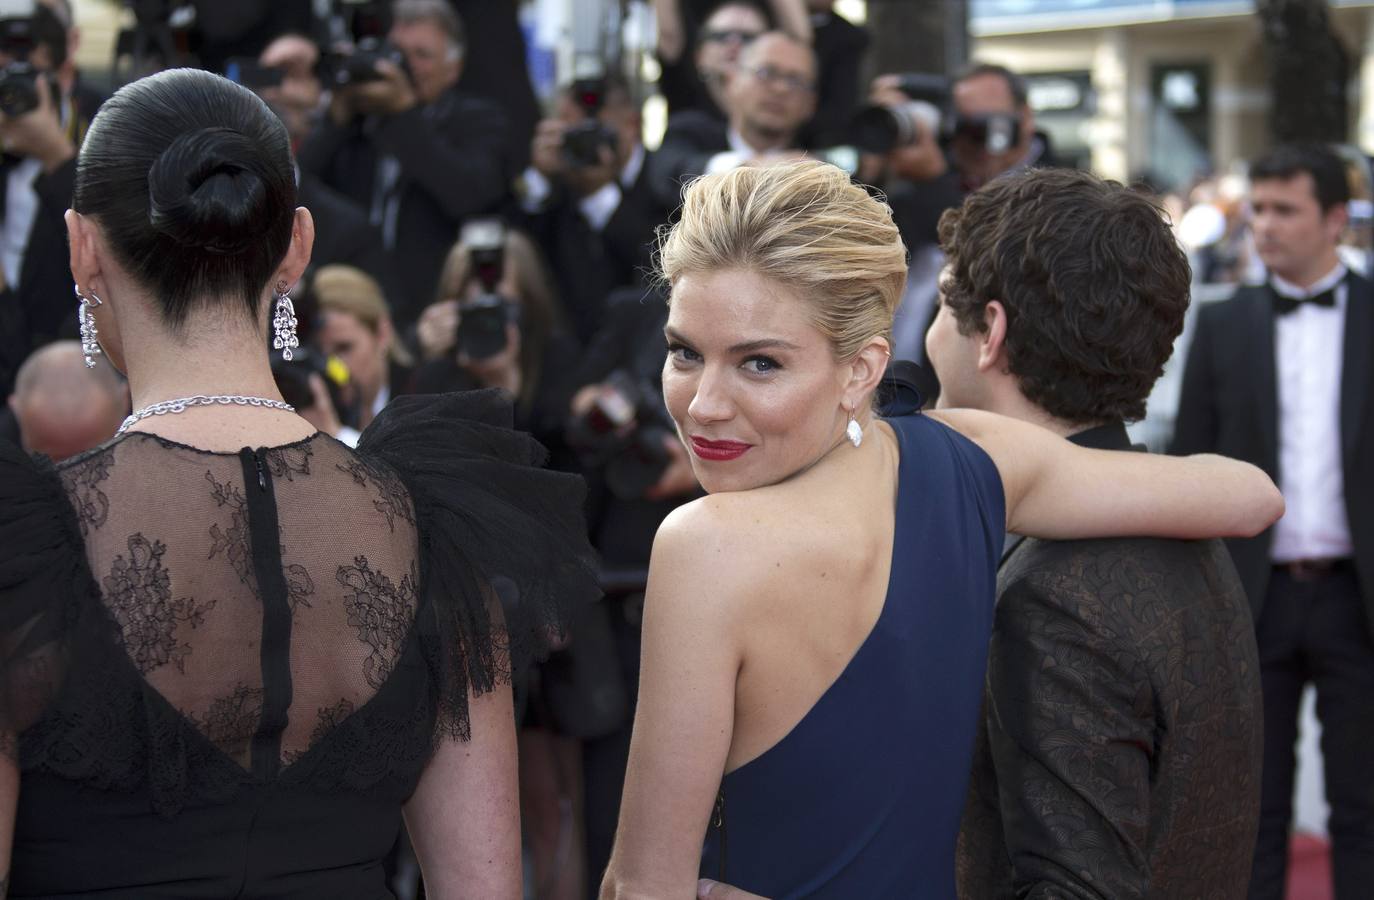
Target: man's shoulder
[(1101, 572), (697, 126)]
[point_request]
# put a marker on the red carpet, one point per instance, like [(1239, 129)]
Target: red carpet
[(1309, 868)]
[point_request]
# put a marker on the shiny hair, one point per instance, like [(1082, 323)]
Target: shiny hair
[(806, 226), (344, 289), (190, 177)]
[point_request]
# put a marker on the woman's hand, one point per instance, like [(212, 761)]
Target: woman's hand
[(438, 328)]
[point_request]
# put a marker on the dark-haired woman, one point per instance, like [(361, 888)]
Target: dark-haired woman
[(234, 650)]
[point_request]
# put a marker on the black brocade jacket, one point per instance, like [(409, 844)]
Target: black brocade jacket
[(1120, 750)]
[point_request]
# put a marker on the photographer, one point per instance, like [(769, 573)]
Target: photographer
[(44, 113), (994, 127), (405, 144), (587, 197), (495, 324), (286, 76), (355, 326)]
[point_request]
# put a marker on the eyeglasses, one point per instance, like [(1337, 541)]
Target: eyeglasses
[(790, 80), (729, 35)]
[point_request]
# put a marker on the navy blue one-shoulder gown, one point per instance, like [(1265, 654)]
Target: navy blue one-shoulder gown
[(862, 799)]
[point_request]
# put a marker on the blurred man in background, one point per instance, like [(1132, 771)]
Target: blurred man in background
[(61, 407), (405, 144), (769, 97)]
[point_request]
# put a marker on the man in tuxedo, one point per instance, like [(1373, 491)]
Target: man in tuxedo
[(1120, 750), (1281, 375), (415, 151), (593, 215), (769, 97)]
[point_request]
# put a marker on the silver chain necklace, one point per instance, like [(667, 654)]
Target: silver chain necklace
[(181, 404)]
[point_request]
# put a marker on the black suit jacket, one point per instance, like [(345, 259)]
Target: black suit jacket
[(1121, 745), (587, 264), (1229, 405), (344, 236), (691, 139), (454, 162)]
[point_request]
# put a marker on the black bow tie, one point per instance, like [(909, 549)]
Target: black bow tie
[(1285, 305)]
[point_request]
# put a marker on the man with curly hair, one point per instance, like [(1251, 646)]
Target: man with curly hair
[(1121, 745)]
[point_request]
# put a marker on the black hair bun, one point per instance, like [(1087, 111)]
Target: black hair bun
[(207, 191)]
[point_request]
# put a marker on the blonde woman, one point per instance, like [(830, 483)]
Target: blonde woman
[(815, 629), (355, 326)]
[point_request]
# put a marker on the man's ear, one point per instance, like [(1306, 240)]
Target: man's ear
[(992, 347)]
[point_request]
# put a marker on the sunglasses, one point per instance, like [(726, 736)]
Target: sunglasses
[(729, 35)]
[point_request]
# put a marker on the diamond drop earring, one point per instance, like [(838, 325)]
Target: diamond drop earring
[(284, 322), (854, 431), (90, 346)]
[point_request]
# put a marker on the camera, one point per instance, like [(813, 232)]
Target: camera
[(293, 380), (358, 64), (482, 321), (19, 89), (883, 128), (251, 74), (624, 433), (582, 142), (994, 132), (24, 26)]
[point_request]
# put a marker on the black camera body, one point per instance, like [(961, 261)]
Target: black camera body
[(582, 142), (624, 434), (482, 321), (293, 380), (19, 88), (358, 65)]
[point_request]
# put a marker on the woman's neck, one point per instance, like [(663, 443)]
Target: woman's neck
[(200, 358)]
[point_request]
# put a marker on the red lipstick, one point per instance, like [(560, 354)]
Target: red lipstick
[(718, 451)]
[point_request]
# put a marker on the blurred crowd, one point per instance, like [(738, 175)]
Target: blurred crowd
[(467, 239)]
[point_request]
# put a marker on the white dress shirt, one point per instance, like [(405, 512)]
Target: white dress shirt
[(1308, 349)]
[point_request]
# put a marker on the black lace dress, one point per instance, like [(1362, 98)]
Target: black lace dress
[(225, 672)]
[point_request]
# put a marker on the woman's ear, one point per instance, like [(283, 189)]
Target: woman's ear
[(866, 370), (297, 257), (85, 254)]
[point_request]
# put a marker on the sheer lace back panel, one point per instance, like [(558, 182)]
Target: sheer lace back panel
[(265, 595)]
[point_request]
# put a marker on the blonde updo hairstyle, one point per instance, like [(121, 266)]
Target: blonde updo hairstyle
[(804, 225)]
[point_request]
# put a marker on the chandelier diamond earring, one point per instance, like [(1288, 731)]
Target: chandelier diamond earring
[(90, 346), (284, 322), (854, 431)]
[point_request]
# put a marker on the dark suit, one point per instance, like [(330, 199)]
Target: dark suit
[(344, 236), (587, 264), (454, 163), (1319, 630), (689, 142), (1119, 755)]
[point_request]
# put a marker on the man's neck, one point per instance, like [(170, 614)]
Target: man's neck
[(1310, 275), (762, 140), (1014, 404)]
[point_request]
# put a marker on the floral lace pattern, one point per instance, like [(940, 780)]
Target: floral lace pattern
[(393, 501), (83, 488), (139, 594), (231, 721), (288, 462), (236, 544), (381, 611)]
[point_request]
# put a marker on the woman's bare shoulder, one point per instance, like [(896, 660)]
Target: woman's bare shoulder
[(731, 545)]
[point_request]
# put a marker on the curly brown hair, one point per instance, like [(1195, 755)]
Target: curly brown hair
[(1094, 285)]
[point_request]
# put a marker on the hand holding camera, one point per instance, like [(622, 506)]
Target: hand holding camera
[(369, 78), (29, 122)]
